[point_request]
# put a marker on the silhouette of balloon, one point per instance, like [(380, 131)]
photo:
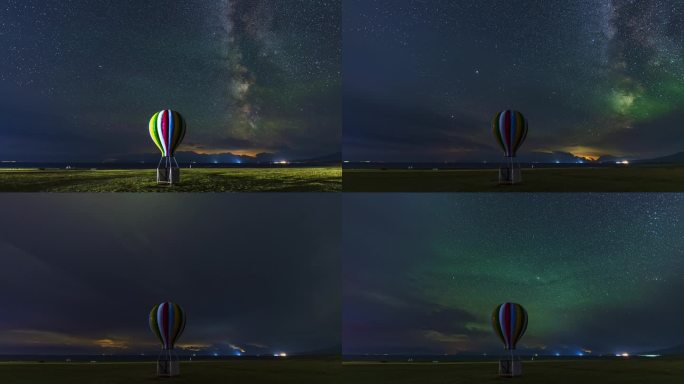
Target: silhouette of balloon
[(510, 323), (510, 130), (167, 129), (167, 321)]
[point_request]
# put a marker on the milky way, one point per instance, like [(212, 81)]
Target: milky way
[(594, 78), (81, 78), (600, 272)]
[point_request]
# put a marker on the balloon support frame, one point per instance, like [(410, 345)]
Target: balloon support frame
[(510, 173), (168, 364), (510, 366), (168, 171)]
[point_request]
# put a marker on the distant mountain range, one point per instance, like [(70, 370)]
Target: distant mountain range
[(335, 350), (678, 350), (557, 157), (230, 158), (675, 158), (669, 159), (565, 157)]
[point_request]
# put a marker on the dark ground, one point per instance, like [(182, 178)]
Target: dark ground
[(647, 371), (290, 179), (233, 372), (643, 178)]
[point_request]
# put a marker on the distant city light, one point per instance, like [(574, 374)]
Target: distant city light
[(281, 354), (281, 162), (623, 162), (649, 355), (624, 354)]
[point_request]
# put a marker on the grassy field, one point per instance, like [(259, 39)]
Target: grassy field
[(618, 179), (321, 179), (658, 371), (235, 372)]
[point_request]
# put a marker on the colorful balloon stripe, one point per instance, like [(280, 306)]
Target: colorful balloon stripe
[(510, 131), (510, 323), (167, 130), (167, 321)]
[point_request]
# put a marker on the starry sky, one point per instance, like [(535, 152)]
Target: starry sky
[(249, 277), (423, 78), (597, 273), (80, 79)]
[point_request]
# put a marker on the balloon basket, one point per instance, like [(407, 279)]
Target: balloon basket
[(510, 174), (168, 365), (510, 367), (168, 171)]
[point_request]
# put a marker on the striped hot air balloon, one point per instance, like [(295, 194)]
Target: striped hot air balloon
[(510, 322), (167, 129), (510, 130), (167, 321)]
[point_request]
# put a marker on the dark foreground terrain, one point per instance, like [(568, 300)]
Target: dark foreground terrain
[(290, 179), (652, 371), (234, 372), (585, 179)]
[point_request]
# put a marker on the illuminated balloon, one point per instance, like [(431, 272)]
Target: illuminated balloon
[(167, 129), (167, 321), (510, 130), (510, 323)]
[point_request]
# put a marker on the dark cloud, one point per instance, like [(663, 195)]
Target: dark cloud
[(400, 129), (661, 132), (366, 329)]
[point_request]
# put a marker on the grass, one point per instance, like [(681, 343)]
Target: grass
[(247, 371), (656, 371), (319, 179), (662, 178)]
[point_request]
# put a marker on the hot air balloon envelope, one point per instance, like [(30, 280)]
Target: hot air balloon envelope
[(510, 323), (167, 321), (510, 131), (167, 129)]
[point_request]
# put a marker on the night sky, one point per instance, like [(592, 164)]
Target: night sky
[(79, 80), (596, 272), (423, 78), (80, 273)]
